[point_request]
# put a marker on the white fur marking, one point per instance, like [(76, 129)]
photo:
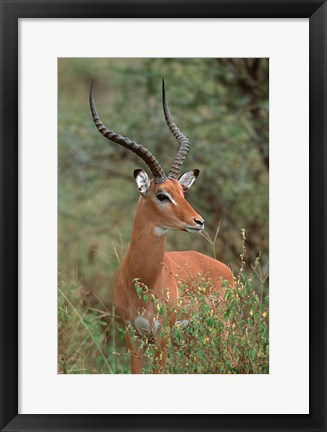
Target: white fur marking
[(156, 326), (159, 231), (142, 325), (187, 179), (143, 182), (183, 323), (171, 198)]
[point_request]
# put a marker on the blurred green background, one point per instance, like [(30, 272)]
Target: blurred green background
[(220, 104)]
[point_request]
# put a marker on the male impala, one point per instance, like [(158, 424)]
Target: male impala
[(161, 206)]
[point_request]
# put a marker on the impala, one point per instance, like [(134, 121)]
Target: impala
[(161, 207)]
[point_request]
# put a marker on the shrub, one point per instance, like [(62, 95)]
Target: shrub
[(221, 337)]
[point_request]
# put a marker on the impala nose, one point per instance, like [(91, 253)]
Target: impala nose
[(199, 222)]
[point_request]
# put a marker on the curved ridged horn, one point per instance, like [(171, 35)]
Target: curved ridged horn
[(184, 142), (145, 154)]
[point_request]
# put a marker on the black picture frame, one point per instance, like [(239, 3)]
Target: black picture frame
[(11, 12)]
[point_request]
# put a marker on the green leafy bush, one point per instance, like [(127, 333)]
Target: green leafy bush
[(224, 334)]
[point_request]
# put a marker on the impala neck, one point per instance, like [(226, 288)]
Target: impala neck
[(146, 252)]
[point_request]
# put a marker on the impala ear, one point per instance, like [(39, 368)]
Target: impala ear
[(142, 181), (188, 178)]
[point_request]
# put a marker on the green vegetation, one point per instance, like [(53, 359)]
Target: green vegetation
[(228, 334), (223, 336), (222, 106)]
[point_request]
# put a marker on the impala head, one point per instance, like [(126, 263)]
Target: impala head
[(165, 203), (163, 196)]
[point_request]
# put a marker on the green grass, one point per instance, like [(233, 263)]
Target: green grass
[(90, 336), (225, 335)]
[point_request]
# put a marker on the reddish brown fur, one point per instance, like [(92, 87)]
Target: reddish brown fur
[(147, 260)]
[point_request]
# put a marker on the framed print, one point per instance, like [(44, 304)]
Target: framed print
[(114, 316)]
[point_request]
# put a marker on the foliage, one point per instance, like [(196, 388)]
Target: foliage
[(213, 334), (88, 336), (222, 106), (226, 334)]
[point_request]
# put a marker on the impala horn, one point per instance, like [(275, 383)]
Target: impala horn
[(142, 152), (184, 142)]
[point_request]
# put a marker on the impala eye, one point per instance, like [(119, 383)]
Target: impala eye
[(162, 197)]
